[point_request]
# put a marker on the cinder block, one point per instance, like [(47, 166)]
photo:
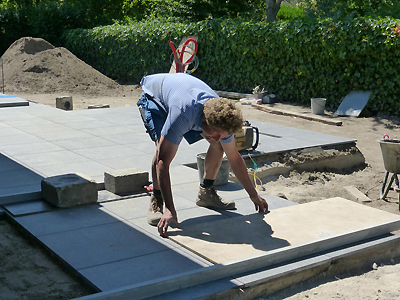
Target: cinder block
[(125, 181), (64, 102), (69, 190)]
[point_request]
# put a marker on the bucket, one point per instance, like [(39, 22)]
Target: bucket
[(318, 105), (223, 172), (391, 155)]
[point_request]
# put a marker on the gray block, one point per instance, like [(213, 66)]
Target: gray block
[(125, 181), (69, 190), (64, 102)]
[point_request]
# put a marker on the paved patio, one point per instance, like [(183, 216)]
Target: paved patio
[(109, 244)]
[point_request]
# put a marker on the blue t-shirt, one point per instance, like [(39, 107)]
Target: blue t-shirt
[(182, 96)]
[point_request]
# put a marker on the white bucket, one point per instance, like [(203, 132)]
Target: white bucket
[(318, 105), (223, 173)]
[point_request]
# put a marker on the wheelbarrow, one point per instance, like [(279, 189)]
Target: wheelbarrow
[(391, 158)]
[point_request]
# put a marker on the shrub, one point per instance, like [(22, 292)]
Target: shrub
[(297, 60)]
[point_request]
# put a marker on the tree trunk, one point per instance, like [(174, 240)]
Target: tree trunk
[(273, 7)]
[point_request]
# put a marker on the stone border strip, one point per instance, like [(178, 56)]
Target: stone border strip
[(300, 115)]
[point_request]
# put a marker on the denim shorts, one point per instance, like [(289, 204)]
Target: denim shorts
[(154, 117)]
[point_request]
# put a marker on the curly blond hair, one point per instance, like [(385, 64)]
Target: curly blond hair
[(223, 114)]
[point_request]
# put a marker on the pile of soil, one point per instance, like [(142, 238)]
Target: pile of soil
[(32, 65)]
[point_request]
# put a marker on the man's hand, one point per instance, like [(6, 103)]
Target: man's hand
[(259, 203), (166, 219)]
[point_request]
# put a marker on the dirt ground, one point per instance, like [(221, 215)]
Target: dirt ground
[(28, 272)]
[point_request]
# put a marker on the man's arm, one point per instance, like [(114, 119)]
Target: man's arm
[(239, 168), (166, 153)]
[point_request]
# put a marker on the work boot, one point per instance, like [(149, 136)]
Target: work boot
[(208, 197), (155, 211)]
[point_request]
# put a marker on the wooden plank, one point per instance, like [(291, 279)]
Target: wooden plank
[(300, 115), (357, 194)]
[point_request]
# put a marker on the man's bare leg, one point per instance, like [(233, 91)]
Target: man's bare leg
[(156, 201), (213, 160), (208, 196)]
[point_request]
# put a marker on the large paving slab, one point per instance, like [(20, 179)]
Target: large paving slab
[(320, 225)]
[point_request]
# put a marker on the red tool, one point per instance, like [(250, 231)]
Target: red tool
[(179, 54)]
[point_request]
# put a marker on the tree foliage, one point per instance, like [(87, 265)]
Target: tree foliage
[(339, 9), (297, 60)]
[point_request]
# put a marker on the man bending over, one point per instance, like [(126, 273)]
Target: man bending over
[(176, 106)]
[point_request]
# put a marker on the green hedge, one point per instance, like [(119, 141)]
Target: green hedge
[(297, 60)]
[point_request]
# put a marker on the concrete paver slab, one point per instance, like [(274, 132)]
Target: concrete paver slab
[(35, 147), (36, 160), (83, 143), (29, 207), (20, 193), (63, 220), (101, 244), (142, 268), (244, 237)]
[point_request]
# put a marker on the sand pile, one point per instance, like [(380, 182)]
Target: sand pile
[(34, 66)]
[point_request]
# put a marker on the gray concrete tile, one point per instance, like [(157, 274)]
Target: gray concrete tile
[(20, 193), (129, 208), (33, 121), (141, 269), (109, 131), (131, 137), (106, 152), (29, 207), (145, 147), (12, 178), (4, 125), (101, 244), (153, 231), (51, 158), (82, 143), (141, 161), (88, 124), (66, 220), (69, 118), (134, 208), (87, 167), (61, 133), (30, 148), (20, 138), (7, 131), (181, 174), (104, 195), (7, 163), (11, 115)]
